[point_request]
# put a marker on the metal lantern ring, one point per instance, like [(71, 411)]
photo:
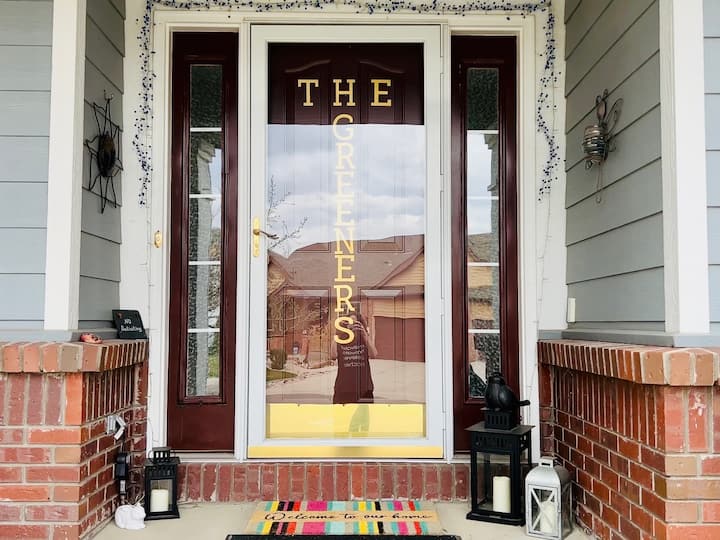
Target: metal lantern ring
[(598, 140), (548, 501)]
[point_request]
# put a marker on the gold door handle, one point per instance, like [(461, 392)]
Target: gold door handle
[(257, 231)]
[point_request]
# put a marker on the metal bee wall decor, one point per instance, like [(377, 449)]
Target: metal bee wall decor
[(104, 152), (598, 141)]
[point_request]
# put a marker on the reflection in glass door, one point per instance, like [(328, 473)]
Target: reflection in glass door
[(341, 242)]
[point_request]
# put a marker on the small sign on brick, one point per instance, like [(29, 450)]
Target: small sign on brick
[(129, 324)]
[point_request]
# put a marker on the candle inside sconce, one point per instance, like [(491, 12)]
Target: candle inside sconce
[(548, 517), (501, 494), (159, 500)]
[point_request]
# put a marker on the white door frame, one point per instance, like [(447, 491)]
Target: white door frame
[(145, 269), (429, 37)]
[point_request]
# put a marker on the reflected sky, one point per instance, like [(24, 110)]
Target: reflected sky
[(480, 173), (388, 185), (389, 182), (481, 182)]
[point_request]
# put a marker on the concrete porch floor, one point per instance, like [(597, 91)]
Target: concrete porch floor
[(213, 521)]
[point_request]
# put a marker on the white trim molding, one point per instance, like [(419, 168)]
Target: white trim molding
[(145, 268), (62, 262), (685, 239)]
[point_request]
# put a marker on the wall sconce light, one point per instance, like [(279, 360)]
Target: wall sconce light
[(599, 141)]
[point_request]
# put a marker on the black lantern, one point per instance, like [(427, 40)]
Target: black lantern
[(496, 485), (161, 472)]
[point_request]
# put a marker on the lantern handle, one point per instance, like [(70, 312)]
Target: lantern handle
[(546, 462)]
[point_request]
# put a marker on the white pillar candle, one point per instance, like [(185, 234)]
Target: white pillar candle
[(159, 500), (548, 517), (501, 494)]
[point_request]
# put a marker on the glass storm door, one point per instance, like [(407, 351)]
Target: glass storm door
[(344, 164), (201, 363)]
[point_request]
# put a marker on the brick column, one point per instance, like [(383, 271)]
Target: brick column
[(56, 461), (639, 429)]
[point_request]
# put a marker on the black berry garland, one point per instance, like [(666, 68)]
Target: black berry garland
[(144, 112)]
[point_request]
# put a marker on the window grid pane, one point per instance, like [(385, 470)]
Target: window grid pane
[(205, 234)]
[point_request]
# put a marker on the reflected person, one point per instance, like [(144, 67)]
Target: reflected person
[(353, 382)]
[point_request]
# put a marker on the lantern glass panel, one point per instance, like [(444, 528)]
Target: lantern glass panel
[(567, 521), (544, 511), (494, 491), (161, 495)]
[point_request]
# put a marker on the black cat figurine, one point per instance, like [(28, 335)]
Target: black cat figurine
[(492, 393), (499, 396)]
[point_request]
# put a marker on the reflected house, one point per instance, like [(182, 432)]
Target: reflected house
[(204, 272), (483, 314), (388, 291)]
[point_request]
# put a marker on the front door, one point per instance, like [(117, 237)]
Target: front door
[(345, 206), (341, 221)]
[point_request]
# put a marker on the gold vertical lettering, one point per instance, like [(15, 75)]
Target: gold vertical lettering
[(345, 152), (378, 92), (342, 211), (348, 242), (350, 92), (341, 269), (344, 203), (348, 132), (349, 334), (344, 180), (307, 83), (343, 298)]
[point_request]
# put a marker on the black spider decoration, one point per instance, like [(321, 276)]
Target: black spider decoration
[(105, 154)]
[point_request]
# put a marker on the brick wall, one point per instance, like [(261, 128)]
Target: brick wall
[(639, 430), (56, 462), (234, 482)]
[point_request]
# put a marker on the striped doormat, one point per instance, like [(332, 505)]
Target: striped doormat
[(388, 517)]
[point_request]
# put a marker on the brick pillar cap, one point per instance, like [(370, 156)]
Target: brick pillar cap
[(71, 357)]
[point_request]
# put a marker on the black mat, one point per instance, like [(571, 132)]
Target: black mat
[(343, 536)]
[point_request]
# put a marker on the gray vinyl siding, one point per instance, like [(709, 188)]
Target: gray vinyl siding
[(615, 247), (711, 21), (101, 234), (25, 55)]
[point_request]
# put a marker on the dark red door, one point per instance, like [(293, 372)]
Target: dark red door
[(304, 78), (201, 363), (484, 222)]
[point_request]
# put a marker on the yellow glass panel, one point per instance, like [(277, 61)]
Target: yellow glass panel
[(384, 452), (352, 420)]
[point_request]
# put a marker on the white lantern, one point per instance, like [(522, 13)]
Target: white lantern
[(548, 501)]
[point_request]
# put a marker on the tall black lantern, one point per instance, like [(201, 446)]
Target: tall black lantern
[(161, 477), (496, 484)]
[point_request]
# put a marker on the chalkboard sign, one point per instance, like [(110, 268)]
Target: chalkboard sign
[(129, 324)]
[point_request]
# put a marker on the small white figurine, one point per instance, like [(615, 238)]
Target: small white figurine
[(130, 516)]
